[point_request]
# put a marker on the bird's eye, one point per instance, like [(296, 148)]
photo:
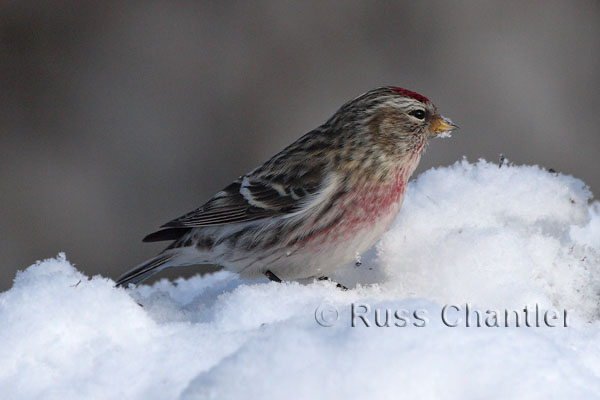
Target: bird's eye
[(418, 114)]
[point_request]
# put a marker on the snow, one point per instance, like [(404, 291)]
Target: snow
[(496, 238)]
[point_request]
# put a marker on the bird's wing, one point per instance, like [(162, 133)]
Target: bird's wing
[(282, 186), (244, 200)]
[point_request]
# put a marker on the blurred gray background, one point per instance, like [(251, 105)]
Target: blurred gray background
[(116, 117)]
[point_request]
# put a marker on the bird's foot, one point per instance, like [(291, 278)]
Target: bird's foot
[(275, 278), (272, 276), (338, 285)]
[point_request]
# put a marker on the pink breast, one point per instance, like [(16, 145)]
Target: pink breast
[(372, 202), (365, 207), (370, 205)]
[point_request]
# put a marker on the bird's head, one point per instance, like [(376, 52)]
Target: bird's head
[(399, 121), (415, 113)]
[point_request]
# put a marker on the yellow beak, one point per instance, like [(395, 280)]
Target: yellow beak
[(440, 124)]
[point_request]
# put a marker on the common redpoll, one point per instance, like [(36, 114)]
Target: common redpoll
[(316, 204)]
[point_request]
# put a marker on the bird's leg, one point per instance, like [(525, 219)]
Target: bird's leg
[(338, 285), (272, 276), (275, 278)]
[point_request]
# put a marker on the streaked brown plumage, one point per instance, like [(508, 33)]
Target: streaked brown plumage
[(316, 204)]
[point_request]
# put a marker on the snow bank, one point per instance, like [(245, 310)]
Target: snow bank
[(499, 239)]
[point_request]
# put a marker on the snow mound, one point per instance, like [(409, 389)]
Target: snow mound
[(499, 239)]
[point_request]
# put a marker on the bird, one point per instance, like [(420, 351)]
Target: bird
[(315, 205)]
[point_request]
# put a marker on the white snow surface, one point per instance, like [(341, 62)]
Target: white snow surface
[(497, 238)]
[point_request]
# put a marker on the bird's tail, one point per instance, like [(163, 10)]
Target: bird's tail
[(146, 269)]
